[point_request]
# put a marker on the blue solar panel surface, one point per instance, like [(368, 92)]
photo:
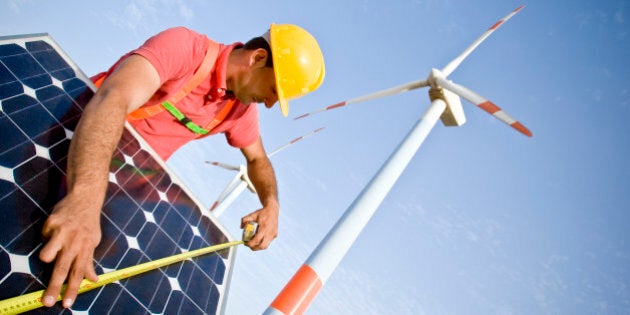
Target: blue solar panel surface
[(147, 213)]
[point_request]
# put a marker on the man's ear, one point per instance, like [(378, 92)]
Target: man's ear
[(258, 57)]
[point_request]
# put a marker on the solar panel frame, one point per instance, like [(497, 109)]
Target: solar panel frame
[(148, 212)]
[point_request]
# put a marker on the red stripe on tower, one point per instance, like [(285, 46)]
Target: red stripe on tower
[(299, 292)]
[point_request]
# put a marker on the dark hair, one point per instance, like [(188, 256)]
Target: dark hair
[(259, 42)]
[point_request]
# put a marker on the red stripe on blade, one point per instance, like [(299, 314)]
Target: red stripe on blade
[(489, 107), (496, 25), (336, 105), (522, 129)]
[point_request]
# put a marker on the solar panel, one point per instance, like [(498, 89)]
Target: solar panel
[(148, 213)]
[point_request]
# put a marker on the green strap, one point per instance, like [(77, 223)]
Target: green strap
[(183, 119)]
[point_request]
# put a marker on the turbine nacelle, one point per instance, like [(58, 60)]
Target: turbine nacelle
[(453, 115)]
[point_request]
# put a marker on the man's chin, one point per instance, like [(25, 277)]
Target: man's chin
[(245, 101)]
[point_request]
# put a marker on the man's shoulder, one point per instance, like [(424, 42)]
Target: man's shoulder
[(180, 33), (176, 41)]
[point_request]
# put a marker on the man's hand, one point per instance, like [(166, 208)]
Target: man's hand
[(73, 232), (267, 219)]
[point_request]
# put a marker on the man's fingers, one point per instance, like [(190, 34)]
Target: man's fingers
[(90, 272), (50, 250), (53, 245), (82, 265), (74, 281), (48, 229), (60, 272), (248, 218), (264, 244), (260, 241), (71, 265), (255, 244)]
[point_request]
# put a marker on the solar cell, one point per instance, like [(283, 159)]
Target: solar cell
[(148, 213)]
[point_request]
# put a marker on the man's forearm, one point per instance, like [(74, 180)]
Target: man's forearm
[(92, 146), (263, 178)]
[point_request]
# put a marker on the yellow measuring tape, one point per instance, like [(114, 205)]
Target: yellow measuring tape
[(33, 300)]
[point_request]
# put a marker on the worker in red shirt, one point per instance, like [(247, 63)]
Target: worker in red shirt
[(177, 87)]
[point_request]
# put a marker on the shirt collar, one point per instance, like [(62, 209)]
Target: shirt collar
[(219, 78)]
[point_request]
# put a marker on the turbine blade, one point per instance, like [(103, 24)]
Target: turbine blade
[(294, 141), (225, 166), (214, 205), (455, 62), (391, 91), (484, 104)]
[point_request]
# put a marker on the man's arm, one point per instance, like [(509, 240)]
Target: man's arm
[(262, 176), (73, 228)]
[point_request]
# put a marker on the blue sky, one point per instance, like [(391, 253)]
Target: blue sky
[(484, 220)]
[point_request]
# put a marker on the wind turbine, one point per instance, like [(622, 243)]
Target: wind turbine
[(445, 95), (241, 180)]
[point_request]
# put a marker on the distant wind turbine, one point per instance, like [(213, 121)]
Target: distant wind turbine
[(445, 104), (241, 180)]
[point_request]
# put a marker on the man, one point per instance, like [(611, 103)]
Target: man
[(283, 64)]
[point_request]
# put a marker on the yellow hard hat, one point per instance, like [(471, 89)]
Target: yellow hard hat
[(297, 61)]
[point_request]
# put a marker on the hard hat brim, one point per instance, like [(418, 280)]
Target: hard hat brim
[(284, 107)]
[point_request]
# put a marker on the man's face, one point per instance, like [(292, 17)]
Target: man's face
[(258, 85), (262, 87)]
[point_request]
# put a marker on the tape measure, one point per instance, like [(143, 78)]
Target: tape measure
[(33, 300)]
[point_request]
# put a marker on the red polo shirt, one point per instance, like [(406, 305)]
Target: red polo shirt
[(176, 53)]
